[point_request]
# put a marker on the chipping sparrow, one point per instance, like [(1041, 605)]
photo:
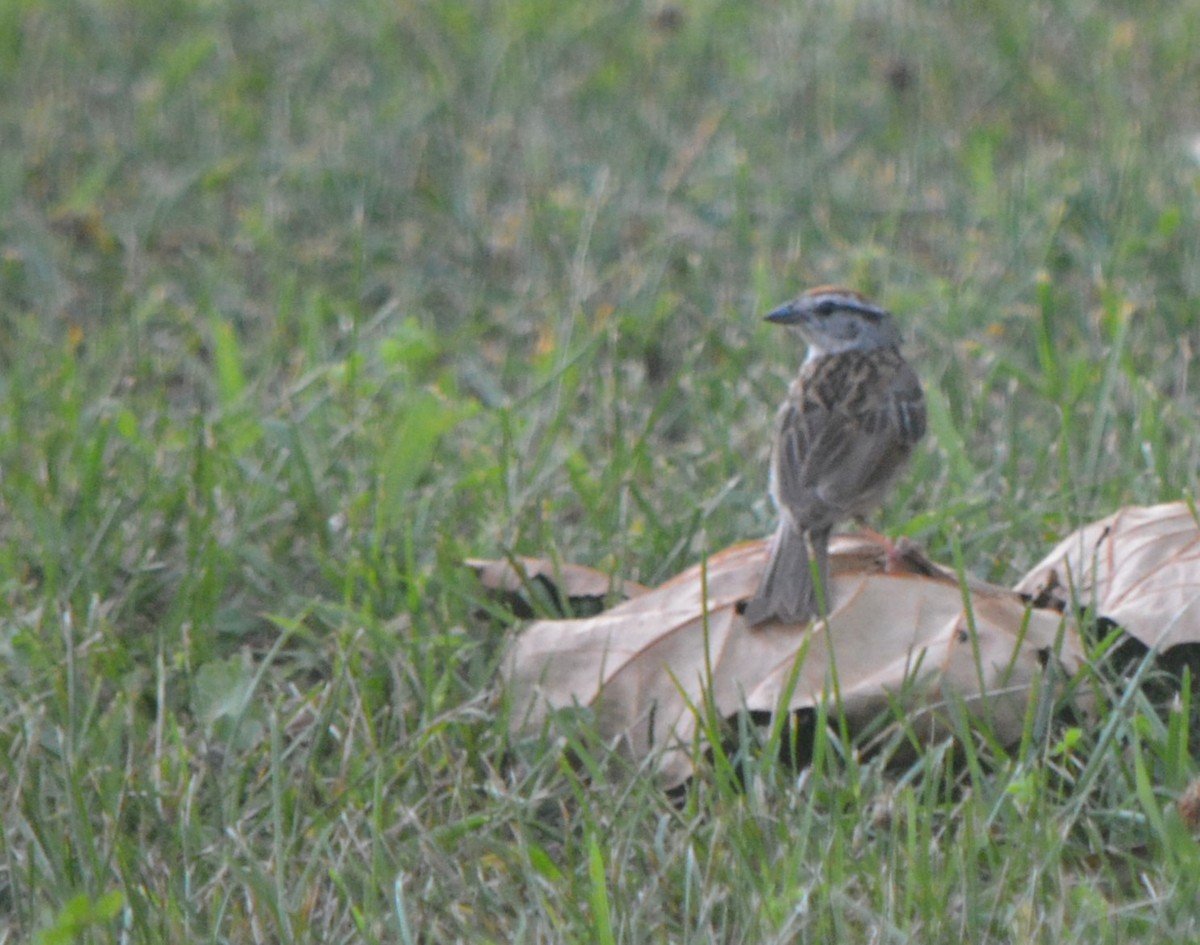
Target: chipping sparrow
[(849, 423)]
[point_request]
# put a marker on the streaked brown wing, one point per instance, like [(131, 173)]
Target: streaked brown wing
[(884, 434), (808, 442), (838, 449)]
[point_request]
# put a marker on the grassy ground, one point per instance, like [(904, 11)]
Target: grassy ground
[(301, 304)]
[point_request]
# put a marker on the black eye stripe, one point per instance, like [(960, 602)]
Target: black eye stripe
[(827, 307)]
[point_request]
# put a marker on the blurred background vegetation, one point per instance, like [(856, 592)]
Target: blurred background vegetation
[(302, 304)]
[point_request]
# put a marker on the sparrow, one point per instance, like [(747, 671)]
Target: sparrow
[(843, 435)]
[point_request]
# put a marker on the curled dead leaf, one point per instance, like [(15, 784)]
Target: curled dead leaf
[(903, 634), (519, 579), (1139, 568)]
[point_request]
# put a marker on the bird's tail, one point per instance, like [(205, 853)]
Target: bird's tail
[(787, 593)]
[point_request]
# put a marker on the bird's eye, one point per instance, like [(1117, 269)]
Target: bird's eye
[(827, 307)]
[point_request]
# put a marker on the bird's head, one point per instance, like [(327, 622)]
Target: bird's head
[(833, 319)]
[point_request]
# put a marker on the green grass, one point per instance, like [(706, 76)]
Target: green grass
[(299, 307)]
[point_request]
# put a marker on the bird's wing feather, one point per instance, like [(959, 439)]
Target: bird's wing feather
[(836, 455)]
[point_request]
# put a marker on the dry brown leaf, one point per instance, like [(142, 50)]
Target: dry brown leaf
[(574, 582), (898, 633), (1140, 568)]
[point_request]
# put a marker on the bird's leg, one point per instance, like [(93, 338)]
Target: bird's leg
[(891, 556)]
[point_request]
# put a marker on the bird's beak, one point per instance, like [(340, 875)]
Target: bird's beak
[(786, 314)]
